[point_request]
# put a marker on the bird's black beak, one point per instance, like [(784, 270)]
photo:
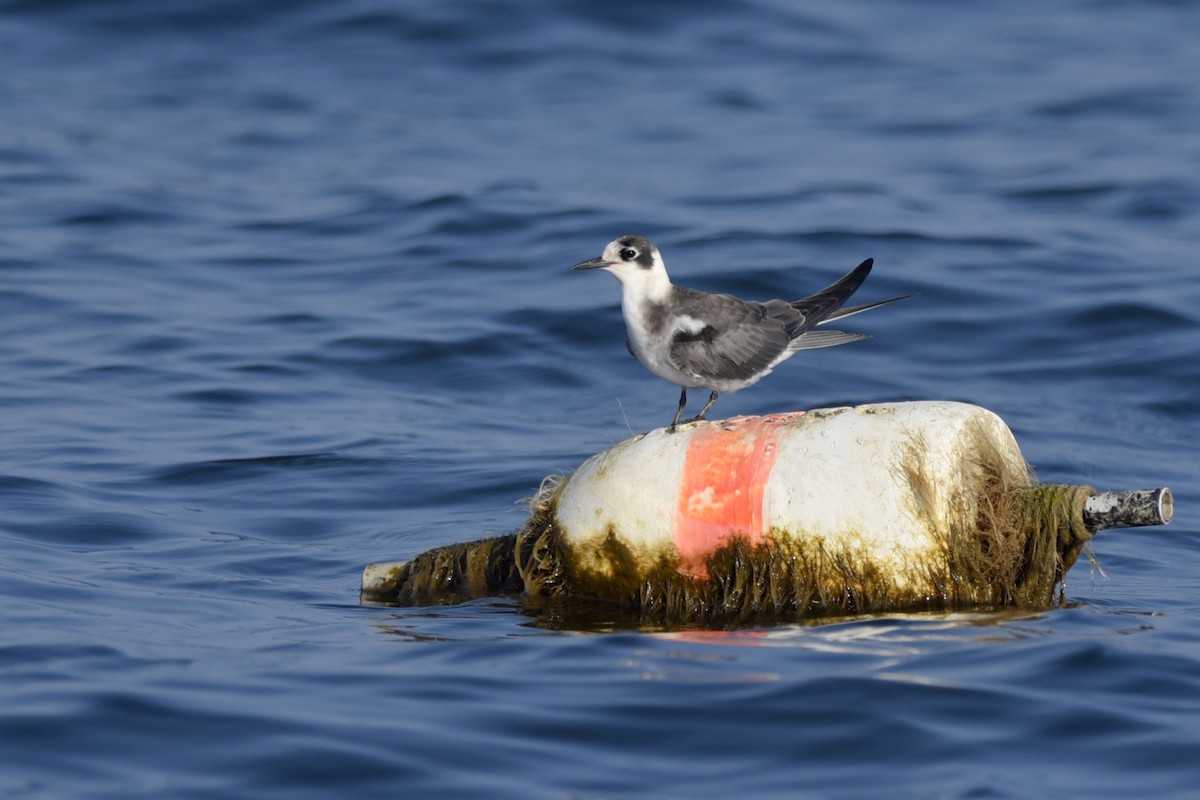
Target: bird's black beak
[(595, 263)]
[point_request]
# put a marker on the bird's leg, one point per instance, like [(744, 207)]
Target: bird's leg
[(712, 398), (679, 413)]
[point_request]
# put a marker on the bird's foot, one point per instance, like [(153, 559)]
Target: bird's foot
[(674, 426)]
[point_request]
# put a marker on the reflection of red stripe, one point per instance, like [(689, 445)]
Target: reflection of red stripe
[(725, 475)]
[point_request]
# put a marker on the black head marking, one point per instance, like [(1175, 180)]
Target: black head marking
[(638, 249)]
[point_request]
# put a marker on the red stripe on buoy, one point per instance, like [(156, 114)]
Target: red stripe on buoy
[(725, 475)]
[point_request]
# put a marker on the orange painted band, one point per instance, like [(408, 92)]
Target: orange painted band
[(725, 475)]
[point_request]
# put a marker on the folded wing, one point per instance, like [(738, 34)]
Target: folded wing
[(732, 340)]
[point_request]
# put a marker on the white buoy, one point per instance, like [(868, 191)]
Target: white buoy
[(881, 482), (877, 507)]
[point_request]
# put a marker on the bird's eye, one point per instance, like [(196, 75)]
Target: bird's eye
[(629, 254)]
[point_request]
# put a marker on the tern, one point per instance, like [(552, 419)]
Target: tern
[(717, 341)]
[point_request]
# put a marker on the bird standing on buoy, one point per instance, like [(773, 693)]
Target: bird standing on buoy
[(717, 341)]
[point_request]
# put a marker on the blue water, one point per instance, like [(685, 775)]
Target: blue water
[(284, 290)]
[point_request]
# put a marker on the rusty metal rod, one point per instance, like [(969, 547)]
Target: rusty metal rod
[(1130, 509)]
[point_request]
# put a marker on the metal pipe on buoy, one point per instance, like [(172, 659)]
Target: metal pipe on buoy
[(882, 507), (1133, 509)]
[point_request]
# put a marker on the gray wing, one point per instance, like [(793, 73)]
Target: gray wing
[(800, 316), (822, 305), (738, 341), (828, 305)]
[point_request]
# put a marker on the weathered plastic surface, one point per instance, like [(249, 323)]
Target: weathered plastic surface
[(882, 481)]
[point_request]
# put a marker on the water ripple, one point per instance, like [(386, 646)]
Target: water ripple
[(284, 289)]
